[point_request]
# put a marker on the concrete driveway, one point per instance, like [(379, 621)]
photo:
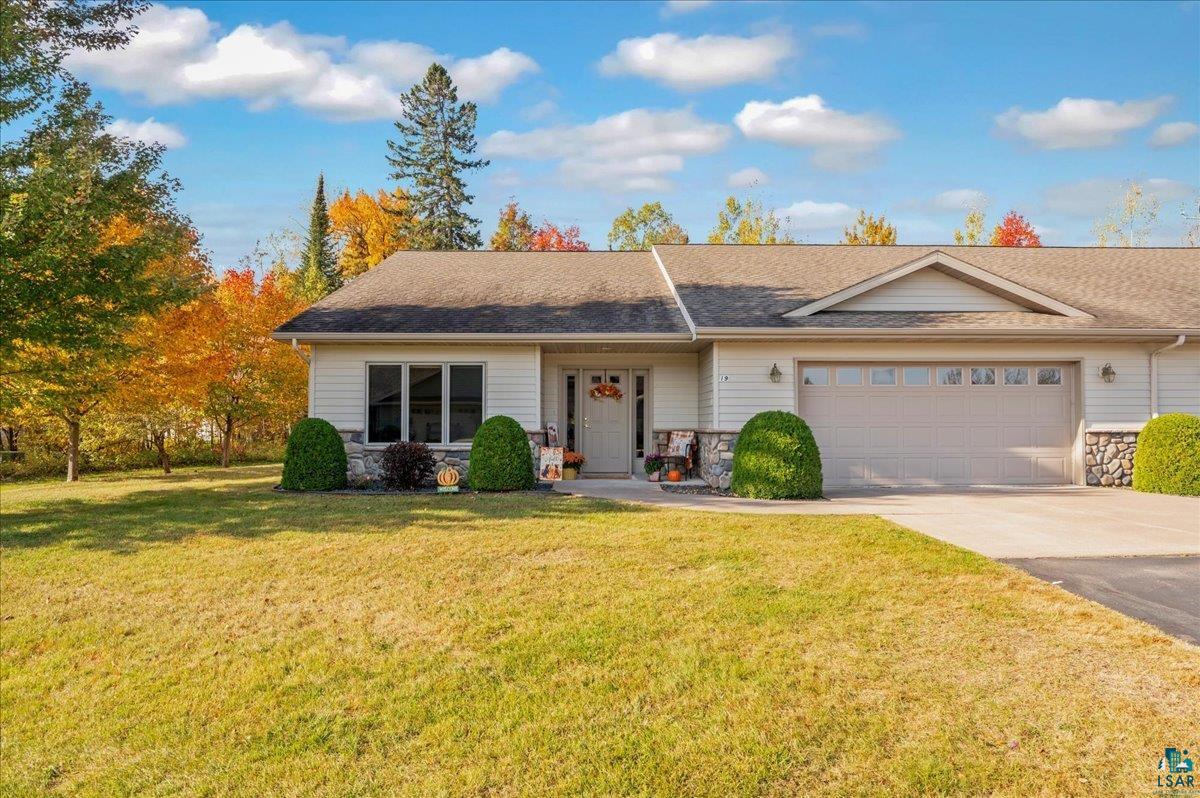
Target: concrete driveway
[(1065, 521)]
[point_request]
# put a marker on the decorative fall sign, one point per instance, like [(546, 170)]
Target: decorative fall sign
[(605, 390), (447, 480)]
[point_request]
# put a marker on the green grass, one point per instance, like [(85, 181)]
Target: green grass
[(201, 635)]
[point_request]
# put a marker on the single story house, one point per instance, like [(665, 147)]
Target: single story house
[(914, 365)]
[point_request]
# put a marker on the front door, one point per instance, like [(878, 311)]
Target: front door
[(606, 423)]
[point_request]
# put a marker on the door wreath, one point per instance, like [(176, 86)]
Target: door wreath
[(605, 390)]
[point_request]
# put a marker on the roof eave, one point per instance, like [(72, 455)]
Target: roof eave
[(530, 338), (716, 333)]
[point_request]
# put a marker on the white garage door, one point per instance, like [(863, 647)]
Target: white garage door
[(940, 423)]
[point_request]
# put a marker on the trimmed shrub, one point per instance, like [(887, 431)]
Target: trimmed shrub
[(1167, 458), (406, 466), (500, 456), (776, 457), (315, 457)]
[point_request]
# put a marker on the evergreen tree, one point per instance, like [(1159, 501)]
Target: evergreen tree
[(437, 136), (318, 261)]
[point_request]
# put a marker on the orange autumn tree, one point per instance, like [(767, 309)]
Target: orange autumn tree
[(245, 374), (369, 227), (550, 238), (1014, 231)]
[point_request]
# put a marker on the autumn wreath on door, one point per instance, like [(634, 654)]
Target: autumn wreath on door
[(605, 390)]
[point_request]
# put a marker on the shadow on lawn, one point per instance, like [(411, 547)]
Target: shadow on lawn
[(251, 509)]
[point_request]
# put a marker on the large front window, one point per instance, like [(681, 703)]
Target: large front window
[(436, 403)]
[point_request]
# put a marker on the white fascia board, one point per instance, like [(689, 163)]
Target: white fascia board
[(687, 317)]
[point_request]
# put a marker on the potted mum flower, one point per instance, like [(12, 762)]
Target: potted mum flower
[(572, 462), (654, 465)]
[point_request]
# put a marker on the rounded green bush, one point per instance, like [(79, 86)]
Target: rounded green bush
[(500, 456), (1167, 457), (776, 457), (315, 457)]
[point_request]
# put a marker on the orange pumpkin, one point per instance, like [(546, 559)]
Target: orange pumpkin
[(448, 477)]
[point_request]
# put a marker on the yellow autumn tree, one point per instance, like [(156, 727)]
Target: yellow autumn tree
[(869, 231), (369, 227), (746, 222)]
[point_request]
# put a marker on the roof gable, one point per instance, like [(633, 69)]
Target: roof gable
[(938, 282)]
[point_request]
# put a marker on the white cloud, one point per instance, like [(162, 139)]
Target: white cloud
[(1078, 123), (840, 141), (483, 79), (178, 55), (631, 151), (960, 199), (700, 63), (1172, 134), (685, 6), (808, 215), (750, 176), (839, 30), (148, 132), (1091, 198)]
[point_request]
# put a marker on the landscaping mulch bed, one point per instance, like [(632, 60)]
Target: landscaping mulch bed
[(696, 490)]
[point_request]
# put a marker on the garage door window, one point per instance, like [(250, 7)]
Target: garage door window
[(914, 375), (847, 376), (883, 376), (816, 376), (1016, 376), (983, 376), (947, 375), (1049, 376)]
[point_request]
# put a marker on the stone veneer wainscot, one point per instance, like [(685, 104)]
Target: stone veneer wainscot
[(362, 462), (1108, 458)]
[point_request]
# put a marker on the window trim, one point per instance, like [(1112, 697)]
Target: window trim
[(404, 419), (895, 376), (971, 377), (1028, 377), (829, 381), (963, 376), (1037, 381)]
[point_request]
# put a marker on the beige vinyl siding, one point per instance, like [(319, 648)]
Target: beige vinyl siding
[(339, 374), (673, 385), (928, 289), (1124, 403), (705, 377), (1179, 380)]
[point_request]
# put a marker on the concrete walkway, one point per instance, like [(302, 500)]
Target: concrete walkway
[(1066, 521)]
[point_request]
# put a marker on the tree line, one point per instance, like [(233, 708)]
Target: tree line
[(120, 339)]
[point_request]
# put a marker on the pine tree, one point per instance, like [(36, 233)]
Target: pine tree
[(437, 136), (319, 257)]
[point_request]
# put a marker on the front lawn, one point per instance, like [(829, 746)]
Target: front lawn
[(201, 634)]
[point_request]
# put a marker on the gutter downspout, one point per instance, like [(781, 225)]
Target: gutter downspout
[(1154, 373), (300, 352)]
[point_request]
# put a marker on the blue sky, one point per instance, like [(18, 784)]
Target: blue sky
[(914, 110)]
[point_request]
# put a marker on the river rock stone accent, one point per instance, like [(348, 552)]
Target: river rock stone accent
[(1108, 458), (714, 457), (362, 463)]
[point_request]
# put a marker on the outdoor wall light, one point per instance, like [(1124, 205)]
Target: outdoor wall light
[(1108, 373), (775, 374)]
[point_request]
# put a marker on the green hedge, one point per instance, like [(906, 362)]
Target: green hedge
[(776, 457), (500, 457), (315, 457), (1167, 458)]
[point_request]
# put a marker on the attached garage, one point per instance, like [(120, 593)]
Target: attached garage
[(941, 423)]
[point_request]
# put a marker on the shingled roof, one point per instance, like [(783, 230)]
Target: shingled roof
[(515, 293), (744, 287), (747, 286)]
